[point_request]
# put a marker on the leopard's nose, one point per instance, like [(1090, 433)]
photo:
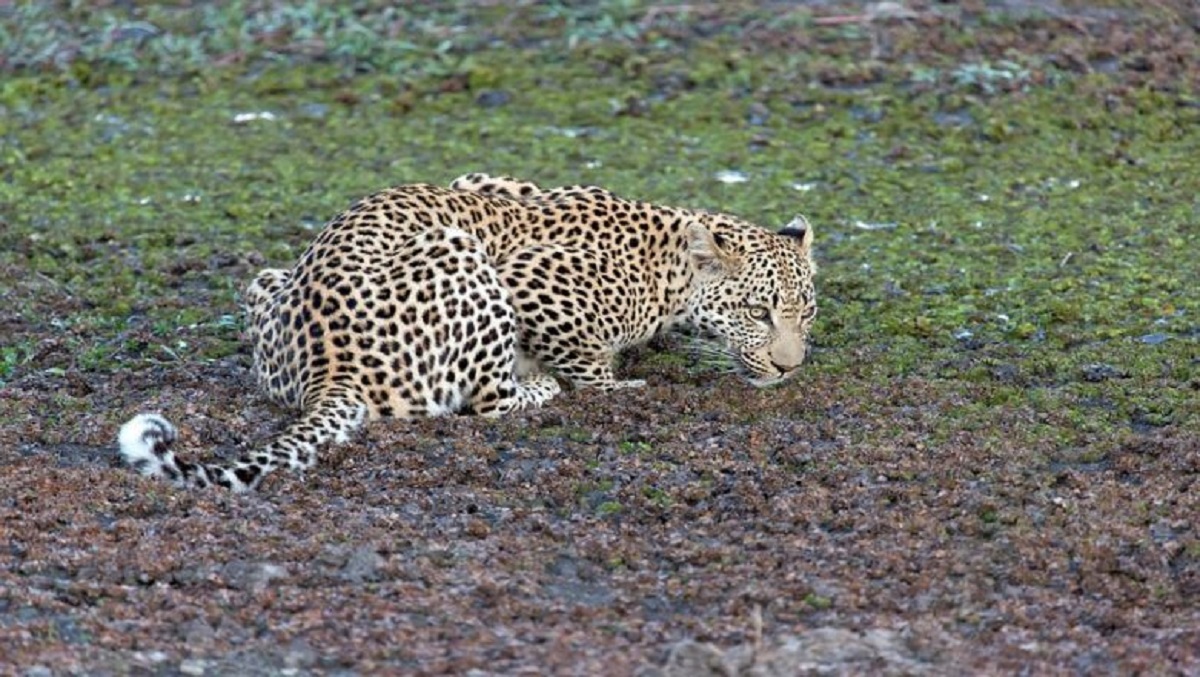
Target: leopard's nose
[(788, 355)]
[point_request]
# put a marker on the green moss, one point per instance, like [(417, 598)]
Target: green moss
[(634, 447), (572, 433), (818, 602), (995, 257), (608, 508), (658, 497), (12, 357)]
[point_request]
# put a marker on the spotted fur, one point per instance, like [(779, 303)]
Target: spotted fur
[(424, 301)]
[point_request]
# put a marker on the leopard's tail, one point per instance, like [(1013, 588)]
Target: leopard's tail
[(145, 444)]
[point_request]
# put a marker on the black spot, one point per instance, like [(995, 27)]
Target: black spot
[(245, 474)]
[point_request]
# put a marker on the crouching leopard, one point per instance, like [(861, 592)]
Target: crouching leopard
[(422, 300)]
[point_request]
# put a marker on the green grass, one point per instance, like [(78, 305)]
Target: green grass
[(1049, 225)]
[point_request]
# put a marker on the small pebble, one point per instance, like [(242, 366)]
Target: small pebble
[(314, 110), (362, 565), (193, 666), (493, 98)]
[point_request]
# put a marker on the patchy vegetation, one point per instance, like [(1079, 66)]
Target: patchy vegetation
[(992, 458)]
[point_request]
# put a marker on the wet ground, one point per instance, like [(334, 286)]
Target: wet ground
[(991, 465)]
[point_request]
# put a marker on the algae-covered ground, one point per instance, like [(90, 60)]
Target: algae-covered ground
[(990, 464)]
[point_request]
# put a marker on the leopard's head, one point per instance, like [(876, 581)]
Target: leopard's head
[(753, 290)]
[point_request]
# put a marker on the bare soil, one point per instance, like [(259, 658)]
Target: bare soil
[(589, 537), (696, 526)]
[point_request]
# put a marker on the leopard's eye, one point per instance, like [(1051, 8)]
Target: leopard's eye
[(758, 312), (810, 312)]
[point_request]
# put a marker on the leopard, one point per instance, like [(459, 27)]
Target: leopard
[(479, 298)]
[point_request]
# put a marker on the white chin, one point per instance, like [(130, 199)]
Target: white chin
[(766, 381)]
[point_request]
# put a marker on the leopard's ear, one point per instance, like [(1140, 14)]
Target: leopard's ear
[(801, 230), (711, 251)]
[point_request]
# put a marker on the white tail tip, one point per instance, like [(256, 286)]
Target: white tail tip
[(144, 441)]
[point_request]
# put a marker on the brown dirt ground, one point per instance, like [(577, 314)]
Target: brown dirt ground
[(541, 540)]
